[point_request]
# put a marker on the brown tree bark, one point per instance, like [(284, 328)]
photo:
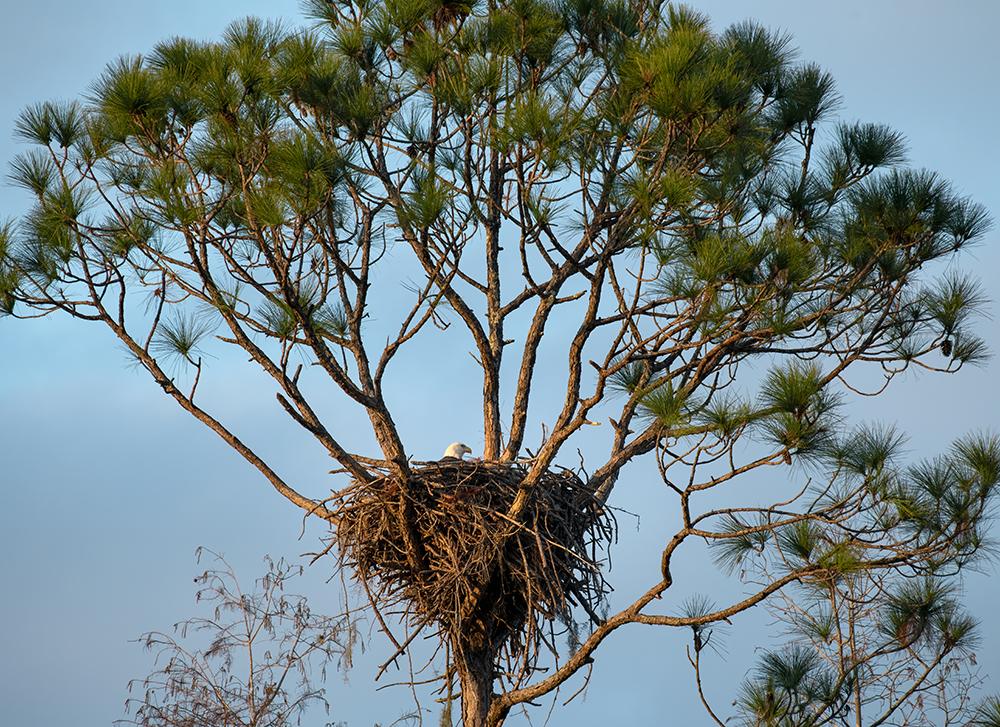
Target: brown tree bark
[(475, 676)]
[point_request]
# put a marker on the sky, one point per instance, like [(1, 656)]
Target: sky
[(107, 487)]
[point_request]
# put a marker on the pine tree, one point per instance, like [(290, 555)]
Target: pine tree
[(680, 204)]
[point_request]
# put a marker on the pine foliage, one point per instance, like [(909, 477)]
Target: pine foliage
[(720, 251)]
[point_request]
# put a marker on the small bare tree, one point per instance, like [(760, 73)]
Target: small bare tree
[(674, 209), (258, 660)]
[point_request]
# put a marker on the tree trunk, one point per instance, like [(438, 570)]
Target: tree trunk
[(475, 676)]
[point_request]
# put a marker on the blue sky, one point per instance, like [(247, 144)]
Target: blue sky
[(108, 488)]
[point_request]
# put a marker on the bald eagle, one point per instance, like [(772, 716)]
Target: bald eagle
[(457, 450)]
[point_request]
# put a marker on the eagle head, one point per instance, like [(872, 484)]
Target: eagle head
[(457, 450)]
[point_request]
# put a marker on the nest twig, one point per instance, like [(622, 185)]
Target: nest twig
[(442, 546)]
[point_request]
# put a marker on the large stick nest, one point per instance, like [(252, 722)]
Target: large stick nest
[(442, 548)]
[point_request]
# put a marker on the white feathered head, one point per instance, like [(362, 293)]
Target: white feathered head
[(457, 450)]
